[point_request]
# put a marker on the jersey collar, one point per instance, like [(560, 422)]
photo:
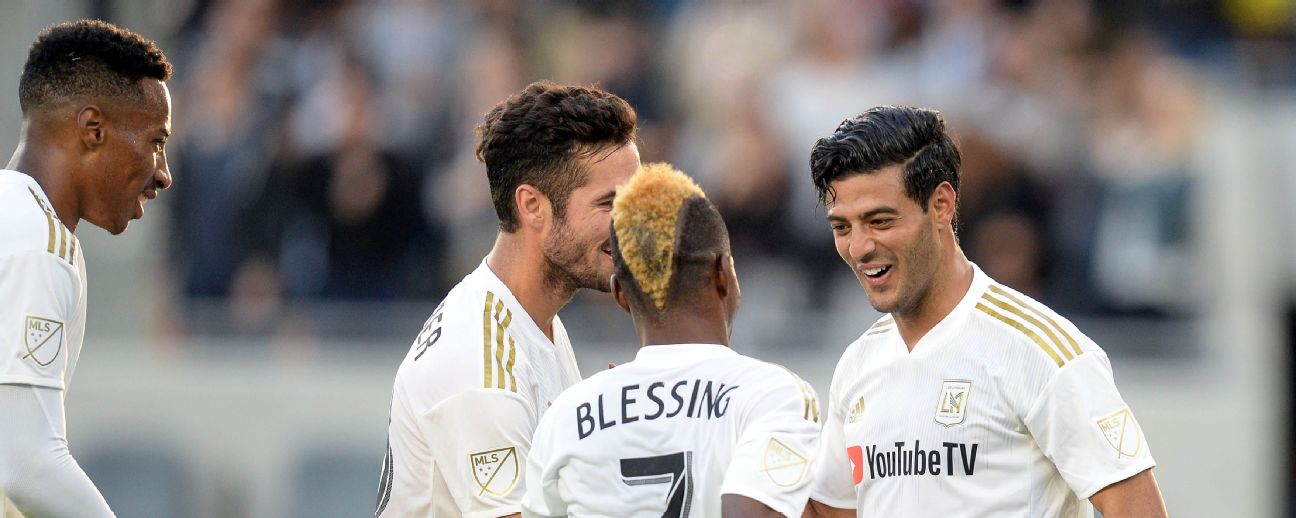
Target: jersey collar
[(9, 175), (520, 317), (947, 329), (681, 353)]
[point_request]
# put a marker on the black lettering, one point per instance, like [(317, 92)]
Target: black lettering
[(949, 454), (626, 400), (869, 451), (603, 424), (969, 465), (723, 397), (708, 401), (693, 399), (582, 419), (679, 400), (661, 405), (933, 459), (920, 458)]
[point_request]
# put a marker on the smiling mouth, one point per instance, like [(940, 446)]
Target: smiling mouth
[(875, 273)]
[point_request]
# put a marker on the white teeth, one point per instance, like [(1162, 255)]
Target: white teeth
[(872, 271)]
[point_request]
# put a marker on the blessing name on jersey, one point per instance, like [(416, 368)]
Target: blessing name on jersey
[(696, 398)]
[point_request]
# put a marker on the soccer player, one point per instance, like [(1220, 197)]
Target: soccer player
[(494, 353), (967, 398), (96, 116), (689, 427)]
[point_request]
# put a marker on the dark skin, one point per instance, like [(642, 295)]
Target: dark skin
[(98, 158), (704, 316)]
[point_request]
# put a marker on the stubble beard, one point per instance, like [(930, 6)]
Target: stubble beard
[(920, 271), (567, 265)]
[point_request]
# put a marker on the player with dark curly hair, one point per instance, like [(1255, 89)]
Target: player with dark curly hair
[(96, 118), (494, 354)]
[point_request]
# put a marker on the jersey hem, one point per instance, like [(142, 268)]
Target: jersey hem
[(1118, 476), (495, 512), (31, 381), (832, 502), (772, 503)]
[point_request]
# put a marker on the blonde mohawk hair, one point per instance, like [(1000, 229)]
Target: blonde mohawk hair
[(645, 219)]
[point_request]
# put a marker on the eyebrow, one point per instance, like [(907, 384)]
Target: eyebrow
[(866, 215), (609, 196)]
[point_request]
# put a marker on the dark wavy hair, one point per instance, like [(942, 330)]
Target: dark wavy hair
[(536, 137), (89, 57), (886, 136)]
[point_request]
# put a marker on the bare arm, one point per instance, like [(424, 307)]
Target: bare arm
[(816, 509), (739, 506), (1137, 496)]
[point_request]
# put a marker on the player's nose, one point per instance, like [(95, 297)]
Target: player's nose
[(162, 176)]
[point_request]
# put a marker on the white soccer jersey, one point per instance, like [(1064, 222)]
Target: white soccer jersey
[(1004, 408), (668, 433), (42, 288), (466, 401)]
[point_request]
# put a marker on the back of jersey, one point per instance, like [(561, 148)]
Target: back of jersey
[(670, 432)]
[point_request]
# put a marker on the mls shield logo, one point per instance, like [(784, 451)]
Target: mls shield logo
[(951, 406), (44, 340), (1122, 433), (783, 464), (495, 471)]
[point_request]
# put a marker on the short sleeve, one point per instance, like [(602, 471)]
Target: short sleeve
[(1081, 423), (480, 439), (834, 478), (773, 460), (40, 293), (543, 497)]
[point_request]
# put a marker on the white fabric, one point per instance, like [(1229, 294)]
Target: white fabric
[(36, 469), (670, 432), (465, 402), (42, 288), (1014, 407)]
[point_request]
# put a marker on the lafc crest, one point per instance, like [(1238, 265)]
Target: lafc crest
[(784, 465), (495, 471), (952, 405), (1122, 432), (43, 339)]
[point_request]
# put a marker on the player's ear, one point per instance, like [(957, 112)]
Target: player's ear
[(720, 276), (618, 293), (90, 126), (533, 207), (942, 204)]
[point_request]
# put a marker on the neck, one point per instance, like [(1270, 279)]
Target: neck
[(518, 261), (683, 326), (51, 170), (950, 284)]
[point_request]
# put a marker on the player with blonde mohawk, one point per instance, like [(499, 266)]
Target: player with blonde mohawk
[(690, 427)]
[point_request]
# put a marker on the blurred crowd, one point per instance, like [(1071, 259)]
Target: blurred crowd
[(326, 147)]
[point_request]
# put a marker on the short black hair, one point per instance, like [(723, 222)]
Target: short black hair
[(886, 136), (666, 237), (536, 136), (88, 57)]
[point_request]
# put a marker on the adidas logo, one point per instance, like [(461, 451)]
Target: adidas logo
[(856, 411)]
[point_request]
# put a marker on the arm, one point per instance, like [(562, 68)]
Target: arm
[(772, 461), (480, 440), (1137, 496), (36, 469), (816, 509), (738, 506)]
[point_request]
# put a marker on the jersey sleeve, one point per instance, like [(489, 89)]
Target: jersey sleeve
[(40, 296), (1081, 423), (481, 439), (774, 456), (542, 497), (834, 474)]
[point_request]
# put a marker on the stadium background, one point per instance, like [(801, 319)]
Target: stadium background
[(1128, 163)]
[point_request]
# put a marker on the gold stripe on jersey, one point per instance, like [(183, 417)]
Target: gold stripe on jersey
[(883, 325), (811, 408), (1016, 311), (1024, 330), (49, 219), (486, 340), (512, 358), (72, 252), (1033, 309), (63, 239), (501, 331)]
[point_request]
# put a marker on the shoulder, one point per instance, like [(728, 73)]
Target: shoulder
[(30, 225), (1004, 315), (774, 381)]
